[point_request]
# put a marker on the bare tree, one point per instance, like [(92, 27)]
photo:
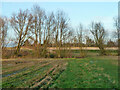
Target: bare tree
[(61, 29), (99, 34), (75, 41), (89, 42), (70, 38), (111, 43), (117, 32), (38, 26), (50, 27), (3, 31), (22, 24), (80, 37)]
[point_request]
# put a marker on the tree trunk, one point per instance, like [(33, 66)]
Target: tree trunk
[(18, 49), (102, 50)]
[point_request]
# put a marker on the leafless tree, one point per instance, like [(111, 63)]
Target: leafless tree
[(89, 42), (62, 22), (80, 35), (99, 34), (70, 39), (117, 32), (22, 24), (38, 26), (3, 31), (49, 31), (80, 32), (75, 41)]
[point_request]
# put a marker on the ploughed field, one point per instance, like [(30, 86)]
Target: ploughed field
[(89, 72)]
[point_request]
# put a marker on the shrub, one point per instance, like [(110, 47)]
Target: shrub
[(52, 55)]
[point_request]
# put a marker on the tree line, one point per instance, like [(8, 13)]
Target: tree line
[(43, 30)]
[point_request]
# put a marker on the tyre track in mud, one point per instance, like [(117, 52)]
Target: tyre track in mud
[(50, 76), (21, 76)]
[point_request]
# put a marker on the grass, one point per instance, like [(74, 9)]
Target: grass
[(93, 71), (88, 73)]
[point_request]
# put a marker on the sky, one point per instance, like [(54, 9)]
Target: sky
[(78, 12)]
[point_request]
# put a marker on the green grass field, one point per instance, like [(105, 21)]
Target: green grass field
[(89, 73), (92, 71)]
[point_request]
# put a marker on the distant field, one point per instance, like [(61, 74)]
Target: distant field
[(86, 48), (73, 48), (89, 72)]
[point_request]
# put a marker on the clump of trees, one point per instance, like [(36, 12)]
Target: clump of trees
[(40, 30)]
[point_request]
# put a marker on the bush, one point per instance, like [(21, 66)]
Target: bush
[(6, 54), (81, 54), (52, 55)]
